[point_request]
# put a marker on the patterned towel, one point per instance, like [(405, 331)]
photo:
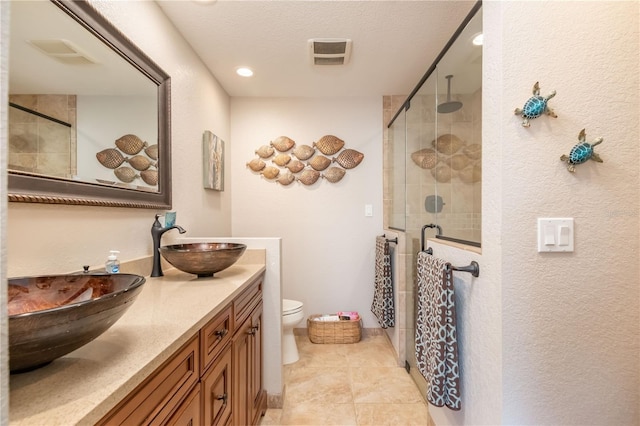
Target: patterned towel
[(382, 305), (436, 340)]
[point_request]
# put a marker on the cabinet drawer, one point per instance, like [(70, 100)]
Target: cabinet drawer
[(158, 396), (188, 414), (214, 336), (246, 302)]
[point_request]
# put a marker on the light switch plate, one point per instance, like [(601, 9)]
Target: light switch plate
[(555, 234), (368, 210)]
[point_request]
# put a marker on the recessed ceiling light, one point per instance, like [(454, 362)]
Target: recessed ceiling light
[(477, 39), (244, 71)]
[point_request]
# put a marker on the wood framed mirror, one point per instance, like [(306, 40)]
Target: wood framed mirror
[(113, 86)]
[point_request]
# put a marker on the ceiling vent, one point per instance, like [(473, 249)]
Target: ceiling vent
[(330, 51), (63, 51)]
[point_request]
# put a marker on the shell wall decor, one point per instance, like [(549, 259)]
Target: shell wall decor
[(144, 159), (305, 163), (450, 157)]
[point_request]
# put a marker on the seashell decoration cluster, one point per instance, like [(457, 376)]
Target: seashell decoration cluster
[(146, 164), (451, 157), (284, 162)]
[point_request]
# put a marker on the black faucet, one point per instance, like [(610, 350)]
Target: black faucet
[(156, 234)]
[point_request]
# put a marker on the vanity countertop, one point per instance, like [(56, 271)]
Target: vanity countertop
[(81, 387)]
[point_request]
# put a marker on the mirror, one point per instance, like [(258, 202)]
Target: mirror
[(89, 116)]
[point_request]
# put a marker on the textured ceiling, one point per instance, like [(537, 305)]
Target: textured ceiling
[(394, 42)]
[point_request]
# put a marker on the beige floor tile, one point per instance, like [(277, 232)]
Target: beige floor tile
[(385, 385), (320, 355), (373, 354), (348, 384), (392, 414), (326, 385), (316, 413)]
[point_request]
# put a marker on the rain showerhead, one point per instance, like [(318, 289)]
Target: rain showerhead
[(449, 106)]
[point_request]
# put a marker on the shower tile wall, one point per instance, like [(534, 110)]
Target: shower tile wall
[(460, 216), (39, 145)]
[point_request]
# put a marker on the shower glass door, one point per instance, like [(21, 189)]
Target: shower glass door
[(443, 144), (422, 164), (458, 174)]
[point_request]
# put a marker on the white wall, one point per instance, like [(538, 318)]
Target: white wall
[(570, 322), (54, 238), (569, 338), (327, 243)]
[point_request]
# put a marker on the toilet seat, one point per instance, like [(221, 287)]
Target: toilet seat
[(290, 307)]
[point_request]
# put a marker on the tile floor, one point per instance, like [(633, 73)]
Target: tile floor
[(348, 384)]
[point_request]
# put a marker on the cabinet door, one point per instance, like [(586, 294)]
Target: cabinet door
[(217, 390), (257, 397), (242, 365), (250, 401)]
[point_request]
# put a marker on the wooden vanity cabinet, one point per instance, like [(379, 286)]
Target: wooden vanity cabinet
[(214, 379)]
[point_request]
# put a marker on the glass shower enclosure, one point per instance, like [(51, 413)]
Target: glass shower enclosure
[(435, 151)]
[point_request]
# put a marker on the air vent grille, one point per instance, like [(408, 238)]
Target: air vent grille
[(63, 50), (330, 51)]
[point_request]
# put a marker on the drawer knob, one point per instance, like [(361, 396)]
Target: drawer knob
[(222, 398), (221, 333), (253, 330)]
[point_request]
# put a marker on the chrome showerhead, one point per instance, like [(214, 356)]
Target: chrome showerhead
[(449, 106)]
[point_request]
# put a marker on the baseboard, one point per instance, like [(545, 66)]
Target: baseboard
[(276, 400)]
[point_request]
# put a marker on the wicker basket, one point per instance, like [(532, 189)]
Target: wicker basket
[(343, 331)]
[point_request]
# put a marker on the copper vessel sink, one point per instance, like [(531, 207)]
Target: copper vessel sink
[(202, 259), (50, 316)]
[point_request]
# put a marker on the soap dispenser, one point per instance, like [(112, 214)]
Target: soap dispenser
[(112, 265)]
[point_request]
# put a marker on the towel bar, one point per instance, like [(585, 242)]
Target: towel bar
[(473, 268), (391, 240)]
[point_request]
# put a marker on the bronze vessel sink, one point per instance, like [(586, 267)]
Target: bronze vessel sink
[(50, 316), (202, 259)]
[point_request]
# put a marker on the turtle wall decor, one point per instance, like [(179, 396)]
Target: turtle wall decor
[(535, 106), (581, 152)]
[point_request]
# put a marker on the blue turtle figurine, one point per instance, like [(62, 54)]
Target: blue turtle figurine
[(535, 106), (581, 152)]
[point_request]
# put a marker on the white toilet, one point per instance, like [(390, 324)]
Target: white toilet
[(292, 314)]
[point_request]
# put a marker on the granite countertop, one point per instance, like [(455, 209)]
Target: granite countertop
[(81, 387)]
